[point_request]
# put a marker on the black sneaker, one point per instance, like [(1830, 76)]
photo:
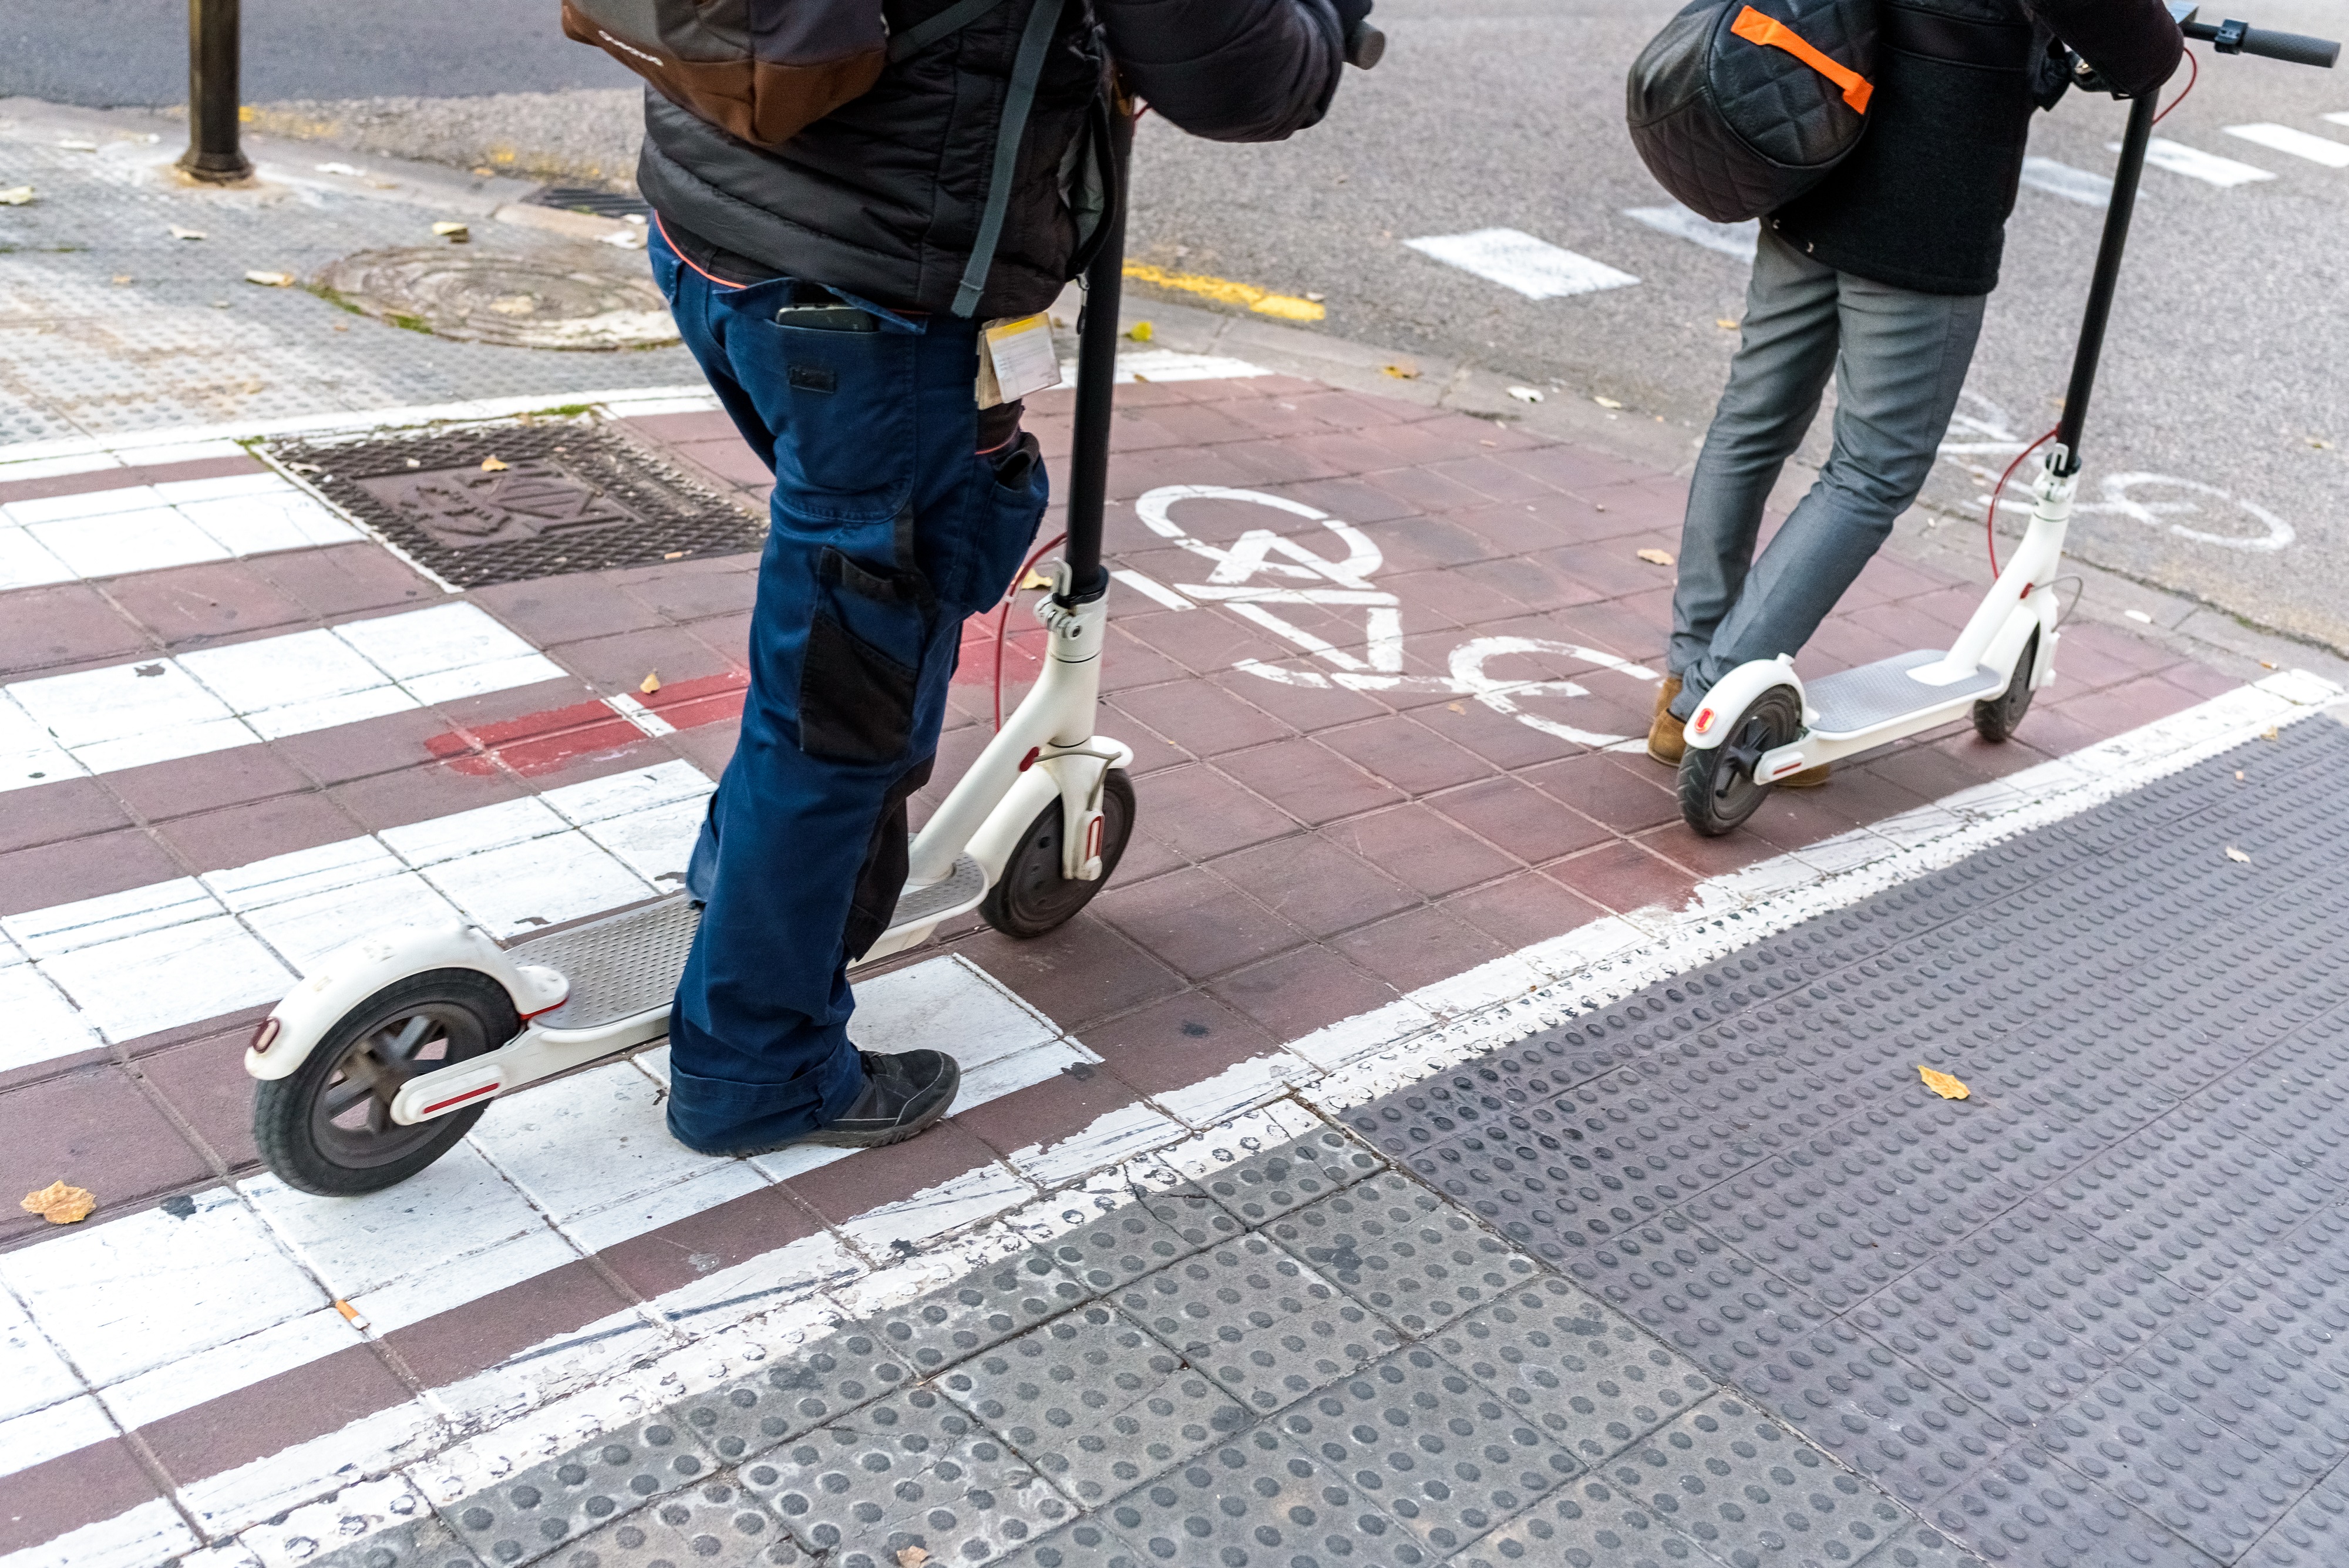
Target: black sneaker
[(904, 1094)]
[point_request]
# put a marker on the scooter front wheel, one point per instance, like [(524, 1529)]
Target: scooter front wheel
[(1031, 897), (1996, 717), (326, 1127), (1718, 790)]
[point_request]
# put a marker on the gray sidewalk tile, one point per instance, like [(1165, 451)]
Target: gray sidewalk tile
[(1142, 1235), (1258, 1500), (1922, 1546), (1087, 1543), (2314, 1534), (424, 1542), (716, 1521), (1275, 1181), (1587, 1525), (2029, 1508), (1262, 1325), (1402, 1252), (527, 1516), (1752, 1493), (1094, 1403), (2170, 1460), (990, 1306)]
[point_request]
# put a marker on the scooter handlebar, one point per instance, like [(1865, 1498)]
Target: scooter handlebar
[(1365, 46), (2232, 37)]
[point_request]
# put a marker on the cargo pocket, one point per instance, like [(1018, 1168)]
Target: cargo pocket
[(1010, 493), (856, 702), (845, 445)]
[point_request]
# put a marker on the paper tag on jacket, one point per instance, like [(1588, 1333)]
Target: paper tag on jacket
[(1020, 359)]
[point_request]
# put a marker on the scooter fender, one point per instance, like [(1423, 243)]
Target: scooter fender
[(358, 968), (1735, 692)]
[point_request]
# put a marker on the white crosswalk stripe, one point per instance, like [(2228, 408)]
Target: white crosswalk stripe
[(2196, 164), (1515, 260), (2299, 143), (147, 527)]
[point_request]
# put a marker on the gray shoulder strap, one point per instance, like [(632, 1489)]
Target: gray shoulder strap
[(1034, 40), (921, 36)]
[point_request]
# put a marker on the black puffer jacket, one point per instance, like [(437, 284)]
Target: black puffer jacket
[(882, 196), (1923, 201)]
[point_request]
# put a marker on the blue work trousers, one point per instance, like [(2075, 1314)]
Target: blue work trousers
[(888, 529)]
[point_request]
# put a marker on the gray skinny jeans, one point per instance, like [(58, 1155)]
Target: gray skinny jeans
[(1900, 359)]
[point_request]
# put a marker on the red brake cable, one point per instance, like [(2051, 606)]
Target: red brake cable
[(1003, 617)]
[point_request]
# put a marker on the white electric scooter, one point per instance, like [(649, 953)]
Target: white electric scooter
[(1761, 722)]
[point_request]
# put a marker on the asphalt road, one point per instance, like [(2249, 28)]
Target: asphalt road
[(2228, 353), (2227, 363)]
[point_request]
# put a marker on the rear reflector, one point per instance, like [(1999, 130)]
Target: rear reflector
[(266, 1035)]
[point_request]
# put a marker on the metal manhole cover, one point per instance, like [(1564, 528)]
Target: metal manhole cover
[(560, 496), (563, 296)]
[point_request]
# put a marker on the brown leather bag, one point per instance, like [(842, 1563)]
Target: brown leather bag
[(762, 70)]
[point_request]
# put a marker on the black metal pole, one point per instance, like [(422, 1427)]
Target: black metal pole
[(213, 154), (2101, 288), (1096, 382)]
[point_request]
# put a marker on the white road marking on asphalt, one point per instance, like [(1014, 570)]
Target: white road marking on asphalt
[(1151, 588), (157, 710), (2197, 165), (1533, 267), (177, 952), (146, 528), (2063, 180), (2299, 143), (1730, 239)]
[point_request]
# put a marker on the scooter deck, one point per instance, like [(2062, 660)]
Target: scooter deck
[(626, 964), (1873, 694)]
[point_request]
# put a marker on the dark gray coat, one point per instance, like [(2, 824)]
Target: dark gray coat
[(1923, 201), (882, 197)]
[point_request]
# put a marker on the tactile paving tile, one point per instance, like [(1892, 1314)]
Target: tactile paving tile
[(1394, 1246), (1143, 1235), (2030, 1511), (2171, 1460), (717, 1523), (1922, 1546), (1946, 1318), (913, 1470), (1274, 1182), (1581, 1373), (1430, 1446), (1749, 1492), (424, 1542), (988, 1307), (1585, 1525), (1259, 1501), (524, 1517), (1263, 1325), (1087, 1543), (2312, 1533), (1094, 1403)]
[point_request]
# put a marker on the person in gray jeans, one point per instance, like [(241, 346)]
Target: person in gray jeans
[(1878, 274)]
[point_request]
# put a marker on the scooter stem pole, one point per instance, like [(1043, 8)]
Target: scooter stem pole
[(2101, 288), (1096, 381)]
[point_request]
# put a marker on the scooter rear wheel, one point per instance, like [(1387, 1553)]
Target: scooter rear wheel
[(1995, 718), (1031, 897), (326, 1127), (1718, 790)]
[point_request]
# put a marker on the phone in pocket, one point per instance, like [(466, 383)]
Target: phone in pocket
[(828, 319)]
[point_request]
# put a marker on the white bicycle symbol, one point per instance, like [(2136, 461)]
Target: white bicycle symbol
[(1987, 433), (1258, 553)]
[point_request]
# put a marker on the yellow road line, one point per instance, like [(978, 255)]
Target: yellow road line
[(1288, 307)]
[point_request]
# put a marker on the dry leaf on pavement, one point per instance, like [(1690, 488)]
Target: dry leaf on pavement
[(271, 279), (491, 465), (1140, 332), (1405, 371), (2268, 734), (911, 1557), (60, 1204), (650, 683), (1657, 557), (2238, 856), (1941, 1084)]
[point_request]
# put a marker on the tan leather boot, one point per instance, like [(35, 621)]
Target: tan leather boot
[(1667, 736)]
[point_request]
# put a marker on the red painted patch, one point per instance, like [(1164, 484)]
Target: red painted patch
[(541, 742)]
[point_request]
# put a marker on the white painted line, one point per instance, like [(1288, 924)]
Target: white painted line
[(1533, 267), (2338, 117), (2197, 165), (156, 710), (146, 1535), (84, 454), (2299, 143), (2063, 180), (1171, 365), (147, 527), (73, 1422), (1730, 239), (1151, 588)]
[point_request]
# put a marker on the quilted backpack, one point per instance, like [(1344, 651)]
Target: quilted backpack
[(1737, 111)]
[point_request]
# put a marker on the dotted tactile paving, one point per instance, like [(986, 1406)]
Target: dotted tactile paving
[(1749, 1492), (1430, 1446), (1259, 1501), (1150, 1230), (1087, 1543), (424, 1542), (1263, 1325), (1094, 1403), (990, 1306), (525, 1517), (2207, 1482), (718, 1523), (1585, 1525), (1399, 1250), (915, 1469), (1583, 1374), (2032, 1511), (1274, 1182)]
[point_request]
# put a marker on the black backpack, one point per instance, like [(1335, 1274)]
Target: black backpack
[(1737, 111)]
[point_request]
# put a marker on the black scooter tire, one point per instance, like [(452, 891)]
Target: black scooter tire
[(1996, 718), (465, 1012), (1718, 791), (1031, 897)]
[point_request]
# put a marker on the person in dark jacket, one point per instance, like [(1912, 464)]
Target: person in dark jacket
[(1879, 274), (822, 285)]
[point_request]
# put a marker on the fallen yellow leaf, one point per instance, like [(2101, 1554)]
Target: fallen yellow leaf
[(2268, 734), (1034, 580), (1140, 332), (2238, 856), (1657, 557), (491, 465), (911, 1557), (1606, 402), (1941, 1084), (650, 683), (59, 1204), (1727, 323), (1404, 372)]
